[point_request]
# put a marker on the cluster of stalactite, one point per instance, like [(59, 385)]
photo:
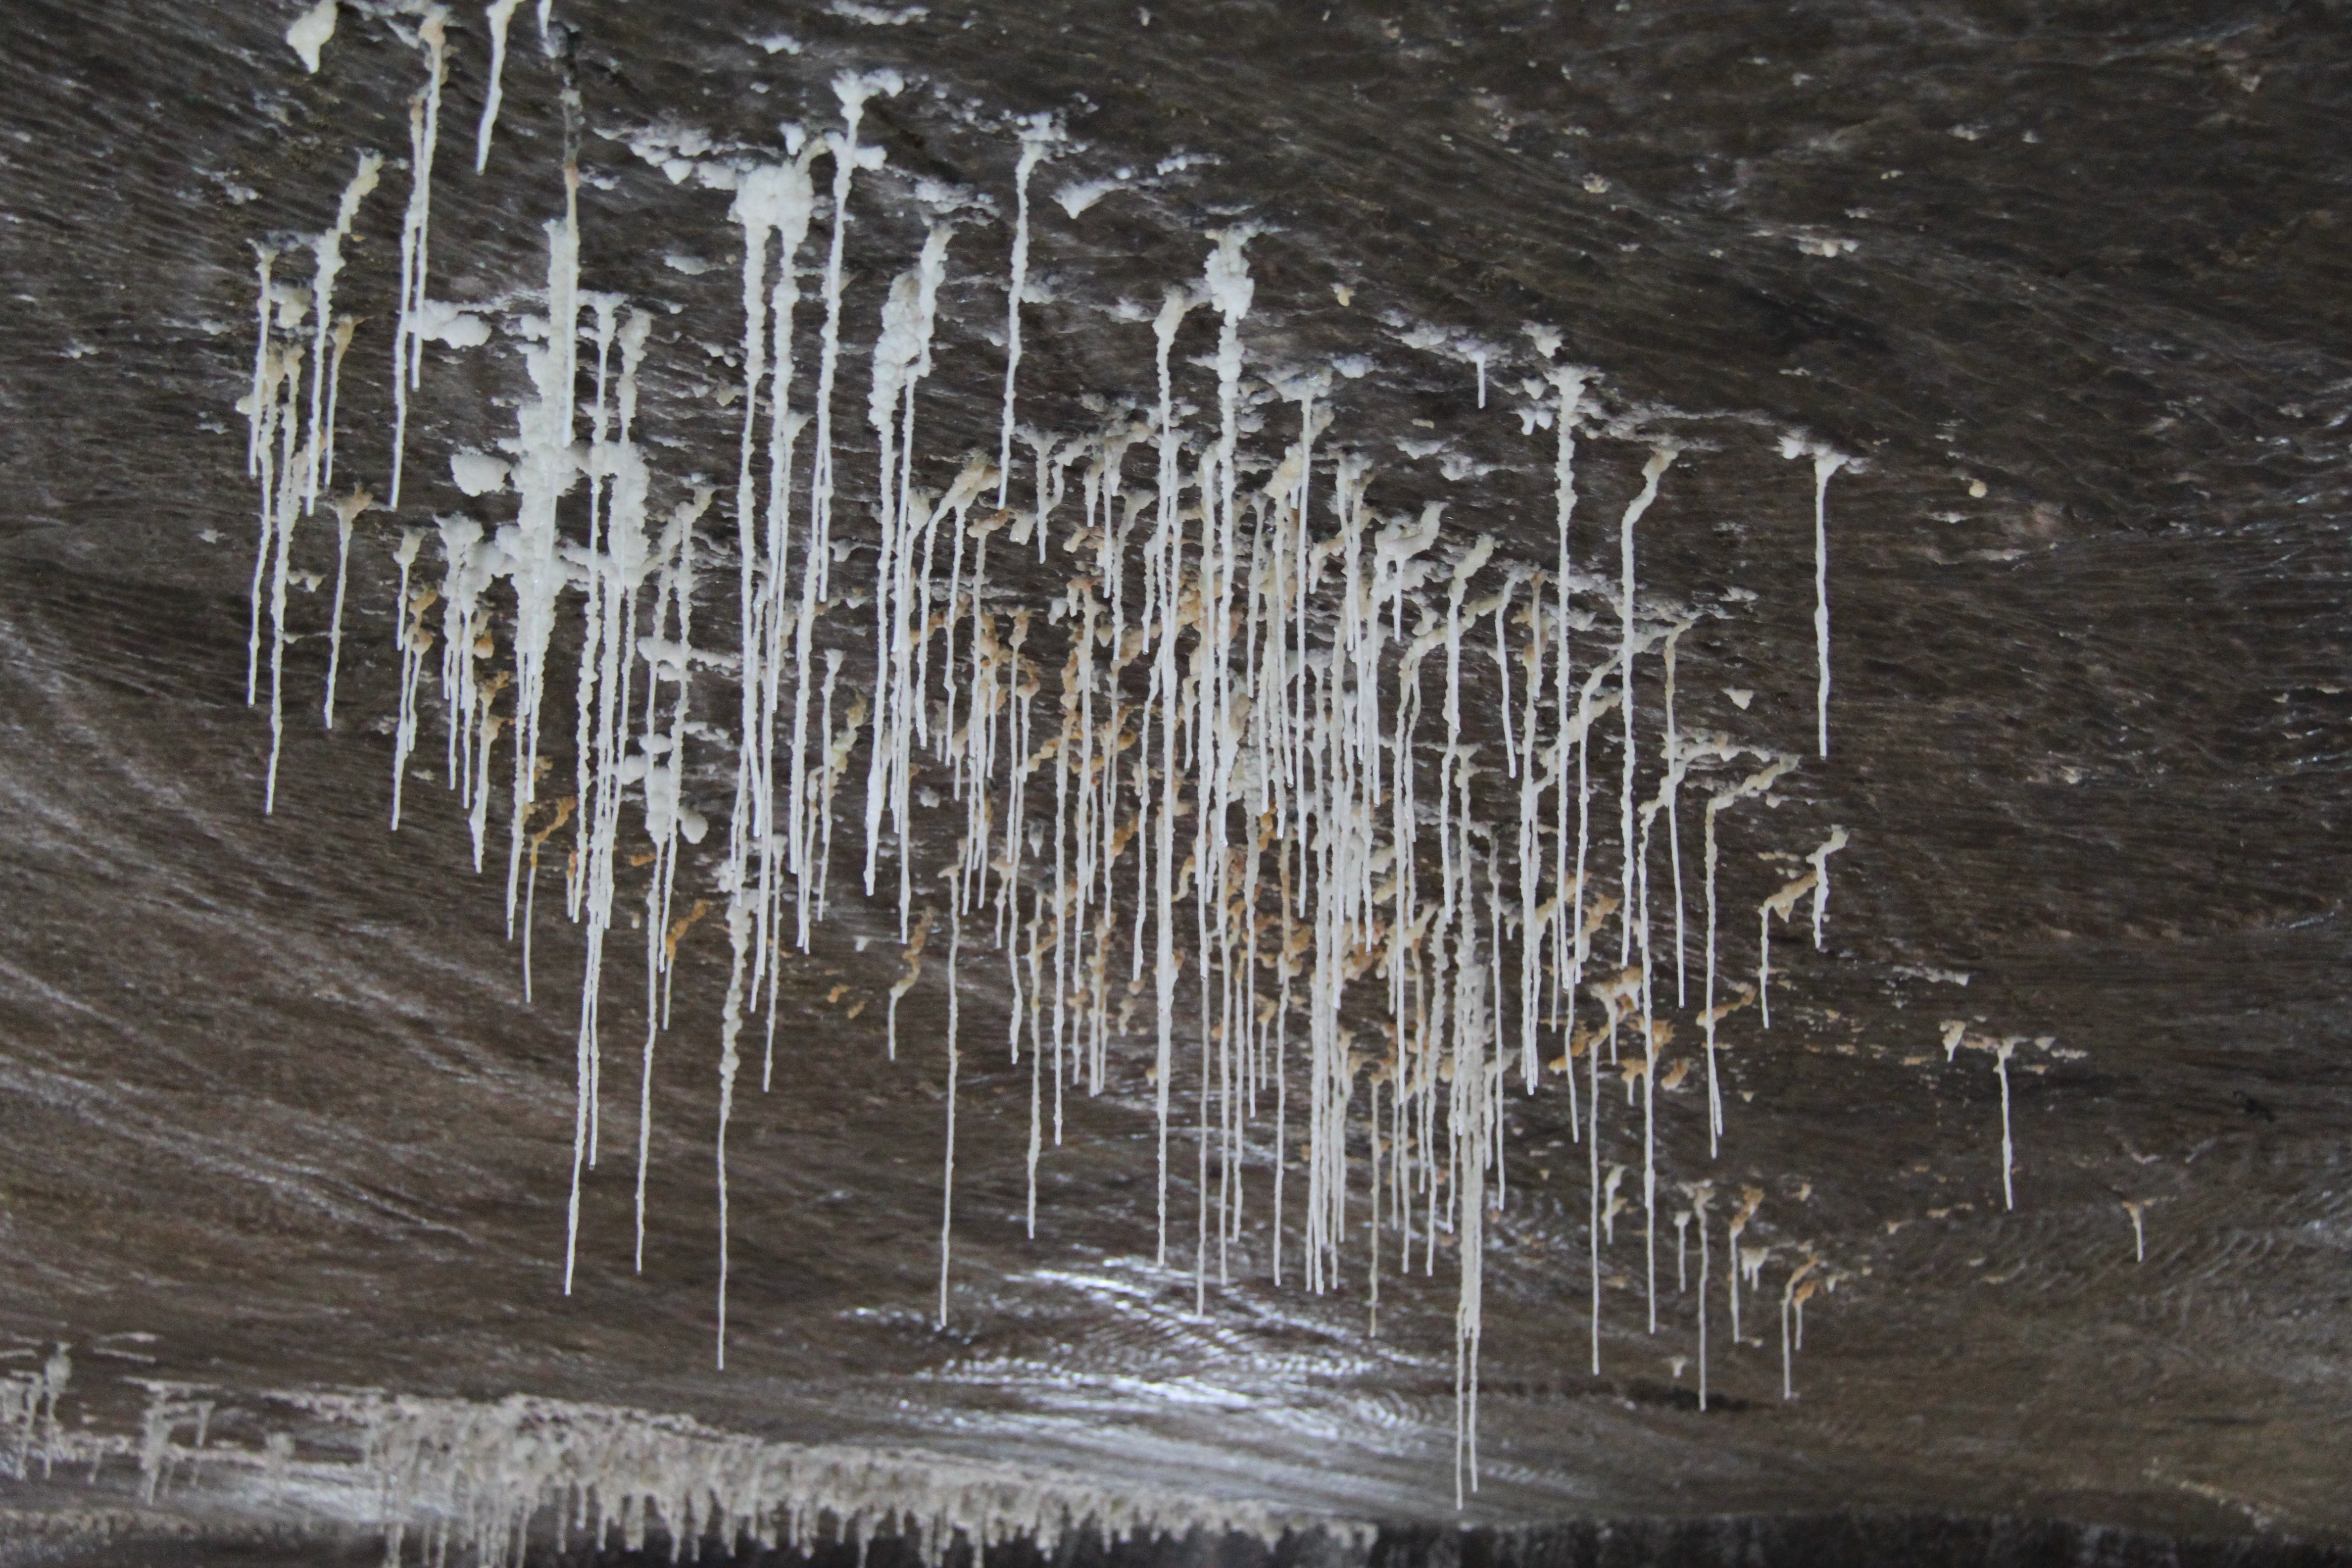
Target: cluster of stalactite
[(1363, 824)]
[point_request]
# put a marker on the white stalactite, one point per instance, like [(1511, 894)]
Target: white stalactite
[(496, 15), (1710, 1014), (1957, 1036), (1826, 462), (955, 1068), (416, 232), (739, 938), (327, 252), (1820, 861), (1037, 133), (347, 510)]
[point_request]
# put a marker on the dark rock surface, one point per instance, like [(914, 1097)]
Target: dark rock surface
[(270, 1092)]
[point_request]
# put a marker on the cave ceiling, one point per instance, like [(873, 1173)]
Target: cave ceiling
[(2064, 284)]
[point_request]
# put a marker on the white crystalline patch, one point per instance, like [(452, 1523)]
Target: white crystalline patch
[(477, 473), (941, 197), (439, 321), (877, 15), (692, 266), (779, 43), (673, 149), (1426, 338), (1740, 697), (1078, 198), (1826, 246), (310, 31)]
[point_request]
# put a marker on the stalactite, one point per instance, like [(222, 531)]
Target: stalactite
[(1749, 788), (2000, 1056), (1036, 136), (1820, 861), (1955, 1036), (413, 643), (347, 510), (853, 92), (346, 326), (283, 517), (654, 765), (1780, 905), (1702, 1196), (739, 938), (912, 956), (1800, 1277), (1472, 1130), (545, 470), (561, 814), (415, 231), (327, 251), (1166, 545), (1652, 471), (1677, 757), (1826, 462), (255, 407), (1750, 1200), (496, 15), (955, 1068)]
